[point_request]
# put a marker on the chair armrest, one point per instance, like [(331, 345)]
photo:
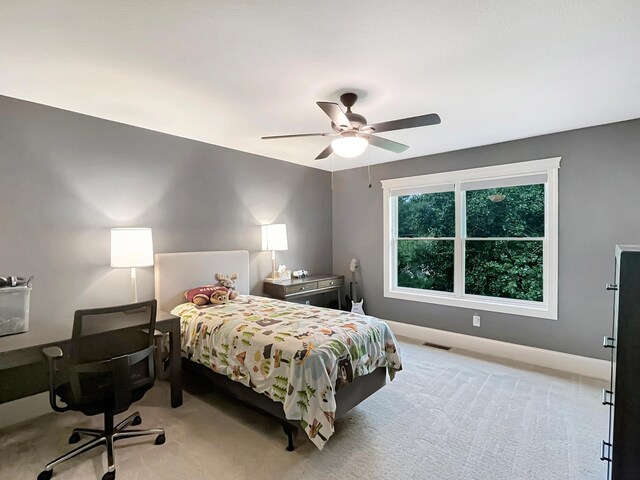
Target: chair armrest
[(53, 354)]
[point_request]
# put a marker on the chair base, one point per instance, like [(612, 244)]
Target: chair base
[(106, 437)]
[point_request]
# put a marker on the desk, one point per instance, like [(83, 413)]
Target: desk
[(304, 287), (24, 371)]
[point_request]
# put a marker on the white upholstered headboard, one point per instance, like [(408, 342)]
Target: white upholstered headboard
[(175, 273)]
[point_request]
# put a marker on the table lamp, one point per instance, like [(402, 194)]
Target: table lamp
[(274, 237), (131, 248)]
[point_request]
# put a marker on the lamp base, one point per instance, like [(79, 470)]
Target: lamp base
[(134, 285)]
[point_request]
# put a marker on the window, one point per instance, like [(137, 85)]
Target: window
[(483, 238)]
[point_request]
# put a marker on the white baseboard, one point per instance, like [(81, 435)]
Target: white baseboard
[(566, 362)]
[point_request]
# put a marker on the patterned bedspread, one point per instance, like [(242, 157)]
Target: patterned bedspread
[(295, 354)]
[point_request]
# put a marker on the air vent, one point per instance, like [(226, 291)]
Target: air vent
[(435, 345)]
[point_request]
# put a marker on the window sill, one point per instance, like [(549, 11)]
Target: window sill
[(525, 309)]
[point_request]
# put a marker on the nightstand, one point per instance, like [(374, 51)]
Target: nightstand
[(304, 287)]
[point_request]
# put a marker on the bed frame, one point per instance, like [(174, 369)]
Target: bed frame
[(177, 272)]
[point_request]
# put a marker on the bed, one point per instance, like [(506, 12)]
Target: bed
[(307, 366)]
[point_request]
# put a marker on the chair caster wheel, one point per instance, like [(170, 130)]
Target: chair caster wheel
[(109, 476), (160, 439), (74, 438), (137, 420), (45, 475)]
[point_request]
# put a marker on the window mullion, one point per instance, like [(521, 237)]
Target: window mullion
[(463, 235), (458, 275)]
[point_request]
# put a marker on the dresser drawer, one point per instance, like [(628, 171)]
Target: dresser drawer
[(301, 288), (330, 283)]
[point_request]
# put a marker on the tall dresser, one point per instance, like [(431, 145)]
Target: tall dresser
[(621, 450)]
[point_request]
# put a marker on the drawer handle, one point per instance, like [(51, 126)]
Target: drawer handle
[(612, 286), (609, 342), (302, 288), (330, 283), (607, 397), (606, 456)]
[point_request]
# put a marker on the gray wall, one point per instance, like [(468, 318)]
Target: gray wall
[(66, 179), (599, 190)]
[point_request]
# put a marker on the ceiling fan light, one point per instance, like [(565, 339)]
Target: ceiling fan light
[(349, 147)]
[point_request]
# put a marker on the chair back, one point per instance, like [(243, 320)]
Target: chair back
[(112, 355)]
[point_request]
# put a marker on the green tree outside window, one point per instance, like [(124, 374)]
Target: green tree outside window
[(503, 245)]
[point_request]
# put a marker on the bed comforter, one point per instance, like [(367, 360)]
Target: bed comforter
[(295, 354)]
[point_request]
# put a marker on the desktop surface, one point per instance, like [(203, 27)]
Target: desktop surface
[(49, 332), (24, 370)]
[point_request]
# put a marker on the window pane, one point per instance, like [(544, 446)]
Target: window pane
[(427, 215), (506, 212), (506, 269), (426, 264)]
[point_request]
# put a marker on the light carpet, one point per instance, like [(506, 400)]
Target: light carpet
[(448, 415)]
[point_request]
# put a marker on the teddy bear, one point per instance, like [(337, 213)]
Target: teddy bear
[(228, 282)]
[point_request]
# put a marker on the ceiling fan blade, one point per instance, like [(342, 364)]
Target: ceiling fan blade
[(325, 153), (271, 137), (335, 113), (390, 145), (412, 122)]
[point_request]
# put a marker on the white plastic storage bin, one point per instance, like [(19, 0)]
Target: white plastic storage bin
[(14, 310)]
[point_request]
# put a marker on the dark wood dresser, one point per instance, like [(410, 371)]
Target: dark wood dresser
[(304, 287), (621, 450)]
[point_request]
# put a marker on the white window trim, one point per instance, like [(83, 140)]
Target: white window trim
[(547, 309)]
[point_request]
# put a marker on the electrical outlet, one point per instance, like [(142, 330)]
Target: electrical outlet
[(476, 320)]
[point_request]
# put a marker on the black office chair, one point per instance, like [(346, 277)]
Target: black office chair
[(110, 365)]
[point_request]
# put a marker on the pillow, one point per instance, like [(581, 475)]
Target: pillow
[(202, 296)]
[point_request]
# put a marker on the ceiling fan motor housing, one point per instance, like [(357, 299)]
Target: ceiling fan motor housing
[(358, 121)]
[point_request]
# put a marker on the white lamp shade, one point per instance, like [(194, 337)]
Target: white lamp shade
[(131, 247), (274, 237), (349, 147)]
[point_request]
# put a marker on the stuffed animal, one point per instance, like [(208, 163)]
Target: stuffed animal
[(203, 296), (220, 295), (228, 282), (200, 295)]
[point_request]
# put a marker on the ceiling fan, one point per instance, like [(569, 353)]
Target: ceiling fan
[(352, 134)]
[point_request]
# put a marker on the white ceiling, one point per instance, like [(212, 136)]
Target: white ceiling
[(227, 72)]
